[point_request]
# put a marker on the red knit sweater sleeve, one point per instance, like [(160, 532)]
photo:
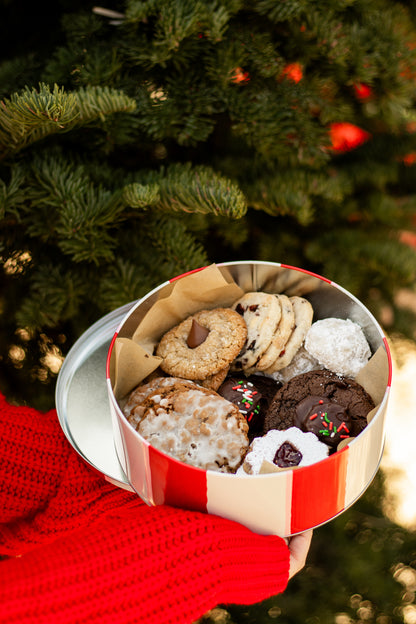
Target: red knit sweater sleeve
[(94, 553)]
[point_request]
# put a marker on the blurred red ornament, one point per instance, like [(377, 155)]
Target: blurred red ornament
[(408, 238), (239, 75), (363, 91), (293, 72), (345, 136), (409, 159)]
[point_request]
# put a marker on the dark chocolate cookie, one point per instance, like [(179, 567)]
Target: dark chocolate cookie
[(252, 395), (319, 383)]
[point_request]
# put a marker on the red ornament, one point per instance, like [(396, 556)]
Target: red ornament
[(345, 136), (363, 91), (293, 72), (409, 159), (239, 75), (408, 238)]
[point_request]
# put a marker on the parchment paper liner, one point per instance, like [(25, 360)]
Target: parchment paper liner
[(209, 288)]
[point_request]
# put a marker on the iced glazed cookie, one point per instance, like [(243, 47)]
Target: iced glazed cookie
[(339, 345), (226, 336), (285, 449), (192, 424), (303, 312), (327, 385), (261, 313), (141, 397)]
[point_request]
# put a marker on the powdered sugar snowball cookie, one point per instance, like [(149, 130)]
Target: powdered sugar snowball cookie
[(285, 449), (339, 345), (302, 362)]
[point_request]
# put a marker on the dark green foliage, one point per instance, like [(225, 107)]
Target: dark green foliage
[(148, 138)]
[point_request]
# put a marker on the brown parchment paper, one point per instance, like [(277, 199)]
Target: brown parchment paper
[(133, 359)]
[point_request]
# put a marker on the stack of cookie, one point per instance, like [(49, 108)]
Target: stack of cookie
[(277, 326), (253, 383)]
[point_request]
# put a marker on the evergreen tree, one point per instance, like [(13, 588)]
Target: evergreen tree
[(149, 137)]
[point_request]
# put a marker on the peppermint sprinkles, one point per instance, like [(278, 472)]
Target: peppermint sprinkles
[(247, 399)]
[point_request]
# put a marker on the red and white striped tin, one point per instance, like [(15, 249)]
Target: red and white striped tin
[(283, 503)]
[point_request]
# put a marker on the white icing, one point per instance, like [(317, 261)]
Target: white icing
[(338, 345), (197, 428), (265, 448)]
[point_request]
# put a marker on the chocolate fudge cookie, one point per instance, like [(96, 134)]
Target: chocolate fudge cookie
[(252, 395), (326, 385)]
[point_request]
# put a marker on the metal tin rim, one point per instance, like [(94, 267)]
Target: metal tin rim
[(89, 346)]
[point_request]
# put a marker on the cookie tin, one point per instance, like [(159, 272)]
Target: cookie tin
[(286, 502), (82, 401)]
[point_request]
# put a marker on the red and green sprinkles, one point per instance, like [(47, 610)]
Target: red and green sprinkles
[(329, 429), (247, 399)]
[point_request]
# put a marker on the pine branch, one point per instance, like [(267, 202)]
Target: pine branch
[(55, 295), (192, 189), (297, 193), (17, 72), (176, 250), (12, 195), (34, 114), (167, 113), (123, 281), (382, 259), (141, 195), (65, 207), (281, 11)]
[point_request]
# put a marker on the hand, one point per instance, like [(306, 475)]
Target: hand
[(298, 548)]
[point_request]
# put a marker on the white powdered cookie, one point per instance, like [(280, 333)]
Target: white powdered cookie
[(303, 319), (261, 313), (302, 362), (338, 345), (285, 449)]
